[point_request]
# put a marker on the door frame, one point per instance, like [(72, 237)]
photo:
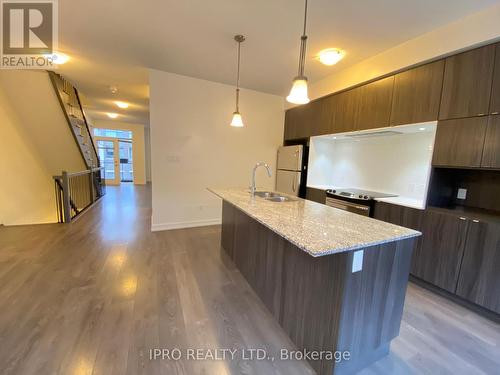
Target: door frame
[(116, 155)]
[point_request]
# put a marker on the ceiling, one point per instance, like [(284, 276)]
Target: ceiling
[(114, 42)]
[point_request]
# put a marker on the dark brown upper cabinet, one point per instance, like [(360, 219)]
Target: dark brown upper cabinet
[(417, 93), (439, 257), (491, 153), (374, 104), (467, 84), (345, 110), (459, 143), (297, 125), (479, 280), (495, 92), (321, 116)]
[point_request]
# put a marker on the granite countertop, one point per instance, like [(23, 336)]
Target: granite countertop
[(313, 227)]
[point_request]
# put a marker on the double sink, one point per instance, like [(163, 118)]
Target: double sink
[(273, 197)]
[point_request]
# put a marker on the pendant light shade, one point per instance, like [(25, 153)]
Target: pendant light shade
[(237, 120), (298, 93)]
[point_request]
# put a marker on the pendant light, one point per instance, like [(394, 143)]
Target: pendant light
[(298, 93), (237, 121)]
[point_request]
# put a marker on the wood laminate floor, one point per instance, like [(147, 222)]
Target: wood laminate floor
[(95, 296)]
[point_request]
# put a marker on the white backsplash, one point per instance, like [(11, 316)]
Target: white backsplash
[(398, 164)]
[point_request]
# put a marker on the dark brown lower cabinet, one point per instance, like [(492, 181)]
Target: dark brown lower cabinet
[(479, 280), (404, 216), (316, 195), (439, 257)]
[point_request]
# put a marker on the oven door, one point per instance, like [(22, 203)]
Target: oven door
[(356, 208)]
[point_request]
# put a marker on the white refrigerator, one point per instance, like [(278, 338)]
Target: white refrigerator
[(289, 169)]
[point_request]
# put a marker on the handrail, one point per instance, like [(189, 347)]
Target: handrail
[(77, 191)]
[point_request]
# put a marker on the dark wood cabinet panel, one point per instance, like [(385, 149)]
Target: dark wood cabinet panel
[(417, 94), (479, 280), (227, 236), (345, 112), (404, 216), (296, 124), (467, 83), (491, 153), (495, 91), (459, 143), (316, 195), (440, 255), (374, 104)]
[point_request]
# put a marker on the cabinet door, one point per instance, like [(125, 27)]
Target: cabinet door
[(491, 153), (296, 123), (459, 143), (345, 110), (467, 83), (438, 261), (417, 93), (479, 280), (319, 116), (495, 93), (374, 104)]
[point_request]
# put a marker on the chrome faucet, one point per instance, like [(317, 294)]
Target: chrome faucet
[(259, 164)]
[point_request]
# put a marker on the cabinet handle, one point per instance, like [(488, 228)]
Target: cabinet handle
[(475, 221), (462, 218), (495, 113), (481, 114)]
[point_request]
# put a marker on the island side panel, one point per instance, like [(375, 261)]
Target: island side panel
[(312, 295), (373, 304), (227, 234), (258, 255)]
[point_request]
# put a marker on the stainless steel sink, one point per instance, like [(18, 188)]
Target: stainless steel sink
[(273, 197)]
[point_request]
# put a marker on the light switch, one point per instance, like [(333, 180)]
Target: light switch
[(462, 194), (357, 261)]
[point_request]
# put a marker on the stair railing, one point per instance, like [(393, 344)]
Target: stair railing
[(75, 192)]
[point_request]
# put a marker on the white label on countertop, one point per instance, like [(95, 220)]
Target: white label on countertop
[(357, 261)]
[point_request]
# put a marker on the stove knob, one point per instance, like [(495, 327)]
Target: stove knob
[(361, 195), (334, 191), (366, 196)]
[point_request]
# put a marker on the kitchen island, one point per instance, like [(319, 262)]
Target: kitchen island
[(335, 281)]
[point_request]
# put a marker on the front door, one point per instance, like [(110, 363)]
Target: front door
[(109, 158)]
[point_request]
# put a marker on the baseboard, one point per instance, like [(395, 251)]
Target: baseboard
[(184, 224), (458, 300)]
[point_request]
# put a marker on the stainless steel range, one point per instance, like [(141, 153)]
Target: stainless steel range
[(354, 200)]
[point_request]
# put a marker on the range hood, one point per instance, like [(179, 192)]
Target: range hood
[(379, 133)]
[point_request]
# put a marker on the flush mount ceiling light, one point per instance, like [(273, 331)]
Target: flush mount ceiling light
[(112, 115), (58, 58), (331, 56), (298, 93), (122, 105), (237, 121)]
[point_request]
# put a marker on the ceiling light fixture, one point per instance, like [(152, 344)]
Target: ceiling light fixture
[(122, 105), (237, 121), (331, 56), (112, 115), (58, 58), (298, 93)]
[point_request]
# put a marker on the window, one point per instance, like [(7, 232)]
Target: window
[(113, 133)]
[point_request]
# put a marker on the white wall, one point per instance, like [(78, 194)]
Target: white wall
[(476, 29), (35, 144), (397, 164), (193, 146), (138, 145)]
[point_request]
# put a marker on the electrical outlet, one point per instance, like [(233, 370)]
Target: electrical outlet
[(462, 193)]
